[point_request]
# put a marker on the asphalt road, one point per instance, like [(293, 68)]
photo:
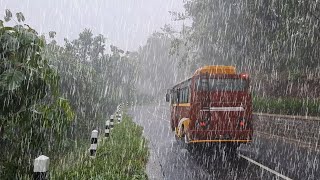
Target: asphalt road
[(170, 160)]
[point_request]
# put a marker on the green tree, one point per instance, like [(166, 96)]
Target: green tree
[(33, 116), (93, 81)]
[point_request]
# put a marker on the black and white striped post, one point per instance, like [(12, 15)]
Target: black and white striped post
[(119, 118), (41, 168), (107, 130), (94, 143), (111, 121)]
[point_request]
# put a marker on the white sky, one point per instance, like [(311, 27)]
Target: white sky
[(125, 23)]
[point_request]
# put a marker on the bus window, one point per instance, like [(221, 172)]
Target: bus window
[(184, 95), (181, 96), (188, 95), (227, 84), (202, 84), (221, 85), (198, 85), (178, 96), (174, 96)]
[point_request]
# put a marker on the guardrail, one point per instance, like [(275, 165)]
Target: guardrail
[(302, 129), (41, 163)]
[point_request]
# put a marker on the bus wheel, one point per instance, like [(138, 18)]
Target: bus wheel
[(176, 137), (172, 126), (186, 141)]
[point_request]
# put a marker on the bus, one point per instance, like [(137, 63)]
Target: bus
[(213, 106)]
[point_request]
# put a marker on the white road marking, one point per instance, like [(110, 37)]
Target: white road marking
[(265, 167)]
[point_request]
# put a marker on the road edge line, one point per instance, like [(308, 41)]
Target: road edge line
[(265, 167)]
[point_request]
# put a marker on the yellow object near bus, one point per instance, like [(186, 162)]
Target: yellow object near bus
[(216, 70)]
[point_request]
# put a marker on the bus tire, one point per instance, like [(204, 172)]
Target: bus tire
[(176, 137), (172, 127), (186, 142)]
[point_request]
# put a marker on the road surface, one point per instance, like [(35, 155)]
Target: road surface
[(266, 158)]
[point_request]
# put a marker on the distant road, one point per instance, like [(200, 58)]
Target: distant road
[(268, 157)]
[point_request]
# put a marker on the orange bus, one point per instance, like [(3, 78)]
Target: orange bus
[(213, 106)]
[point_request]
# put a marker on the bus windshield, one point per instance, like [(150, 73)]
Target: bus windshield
[(221, 85)]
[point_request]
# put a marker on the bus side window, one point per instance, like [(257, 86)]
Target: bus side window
[(173, 96), (187, 95), (181, 96), (205, 84), (198, 84), (184, 95), (178, 96)]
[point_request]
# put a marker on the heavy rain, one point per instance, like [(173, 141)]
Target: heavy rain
[(160, 89)]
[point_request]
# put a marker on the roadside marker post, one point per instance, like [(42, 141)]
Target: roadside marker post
[(119, 118), (41, 168), (111, 122), (107, 130), (94, 143)]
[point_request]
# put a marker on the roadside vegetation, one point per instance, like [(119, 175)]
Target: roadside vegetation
[(121, 156), (53, 95), (287, 106)]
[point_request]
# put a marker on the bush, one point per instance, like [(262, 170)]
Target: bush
[(121, 156), (289, 106)]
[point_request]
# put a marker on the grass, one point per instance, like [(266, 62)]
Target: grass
[(121, 156), (288, 106)]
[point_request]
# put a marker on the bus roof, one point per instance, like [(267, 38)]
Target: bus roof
[(211, 70), (216, 70)]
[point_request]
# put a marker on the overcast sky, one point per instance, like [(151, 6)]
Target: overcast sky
[(125, 23)]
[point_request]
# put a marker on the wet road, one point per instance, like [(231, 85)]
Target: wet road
[(169, 160)]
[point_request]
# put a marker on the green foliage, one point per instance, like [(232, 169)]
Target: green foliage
[(122, 156), (94, 82), (33, 75), (10, 80), (264, 38), (34, 119), (289, 106), (280, 35)]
